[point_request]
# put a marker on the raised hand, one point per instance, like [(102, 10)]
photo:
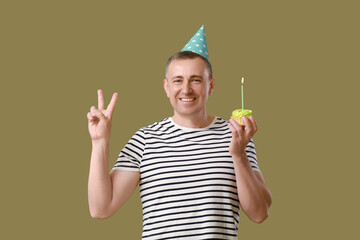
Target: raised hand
[(99, 120), (241, 135)]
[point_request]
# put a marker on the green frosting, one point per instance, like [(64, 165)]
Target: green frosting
[(241, 113)]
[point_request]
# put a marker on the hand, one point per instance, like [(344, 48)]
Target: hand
[(99, 120), (241, 136)]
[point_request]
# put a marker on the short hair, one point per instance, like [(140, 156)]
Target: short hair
[(188, 55)]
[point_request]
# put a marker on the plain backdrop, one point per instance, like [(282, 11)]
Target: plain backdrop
[(300, 60)]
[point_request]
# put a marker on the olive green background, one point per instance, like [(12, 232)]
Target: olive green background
[(300, 61)]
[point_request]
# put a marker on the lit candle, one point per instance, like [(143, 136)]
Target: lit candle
[(242, 94)]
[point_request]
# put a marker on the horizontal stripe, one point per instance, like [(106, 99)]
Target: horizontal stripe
[(190, 199), (208, 141), (223, 216), (192, 193), (181, 171), (187, 176), (182, 161), (186, 135), (184, 207), (185, 182), (132, 151), (186, 188), (199, 148), (185, 155), (189, 223), (222, 210), (192, 229), (155, 147)]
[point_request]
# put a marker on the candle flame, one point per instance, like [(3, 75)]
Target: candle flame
[(242, 80)]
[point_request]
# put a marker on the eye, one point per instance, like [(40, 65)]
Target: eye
[(176, 80), (196, 80)]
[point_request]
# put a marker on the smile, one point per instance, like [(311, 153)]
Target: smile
[(187, 99)]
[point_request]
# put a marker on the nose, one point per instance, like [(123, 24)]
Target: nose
[(186, 88)]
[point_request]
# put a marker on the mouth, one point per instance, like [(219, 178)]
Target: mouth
[(187, 99)]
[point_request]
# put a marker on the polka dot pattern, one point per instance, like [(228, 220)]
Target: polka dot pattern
[(197, 43)]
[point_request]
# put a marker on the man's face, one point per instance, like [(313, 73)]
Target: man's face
[(188, 86)]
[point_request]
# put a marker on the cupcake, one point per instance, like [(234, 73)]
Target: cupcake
[(239, 113)]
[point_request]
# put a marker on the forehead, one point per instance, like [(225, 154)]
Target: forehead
[(188, 67)]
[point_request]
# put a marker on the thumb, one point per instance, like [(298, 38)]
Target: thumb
[(96, 113)]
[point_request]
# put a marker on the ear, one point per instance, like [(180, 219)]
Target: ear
[(212, 85), (166, 87)]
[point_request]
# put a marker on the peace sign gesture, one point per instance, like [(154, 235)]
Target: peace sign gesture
[(100, 119)]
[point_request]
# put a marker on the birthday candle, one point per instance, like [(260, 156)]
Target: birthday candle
[(242, 94)]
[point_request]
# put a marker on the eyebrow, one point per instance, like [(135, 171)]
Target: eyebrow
[(192, 76)]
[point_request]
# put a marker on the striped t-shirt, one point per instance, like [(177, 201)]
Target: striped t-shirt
[(187, 184)]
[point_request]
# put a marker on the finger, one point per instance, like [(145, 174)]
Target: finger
[(89, 116), (236, 129), (249, 128), (233, 130), (112, 103), (92, 110), (100, 100), (236, 125), (96, 113), (252, 119)]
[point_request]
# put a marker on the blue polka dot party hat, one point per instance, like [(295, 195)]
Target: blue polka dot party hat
[(197, 43)]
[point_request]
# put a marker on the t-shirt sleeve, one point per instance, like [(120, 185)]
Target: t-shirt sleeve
[(251, 155), (130, 156)]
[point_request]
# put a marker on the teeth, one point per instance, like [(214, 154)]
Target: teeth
[(187, 99)]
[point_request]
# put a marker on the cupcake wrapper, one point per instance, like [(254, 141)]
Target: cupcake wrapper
[(239, 120)]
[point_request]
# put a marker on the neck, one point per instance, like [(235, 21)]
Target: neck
[(193, 121)]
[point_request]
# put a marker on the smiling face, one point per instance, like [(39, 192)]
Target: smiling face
[(188, 87)]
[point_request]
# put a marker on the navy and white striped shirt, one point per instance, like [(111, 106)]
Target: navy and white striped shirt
[(187, 184)]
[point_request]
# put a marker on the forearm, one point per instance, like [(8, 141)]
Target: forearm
[(99, 185), (254, 197)]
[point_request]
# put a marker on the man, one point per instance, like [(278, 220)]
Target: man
[(195, 171)]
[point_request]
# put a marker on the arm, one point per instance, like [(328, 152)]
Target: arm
[(107, 192), (254, 196)]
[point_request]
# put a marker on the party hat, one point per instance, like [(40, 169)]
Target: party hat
[(197, 43)]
